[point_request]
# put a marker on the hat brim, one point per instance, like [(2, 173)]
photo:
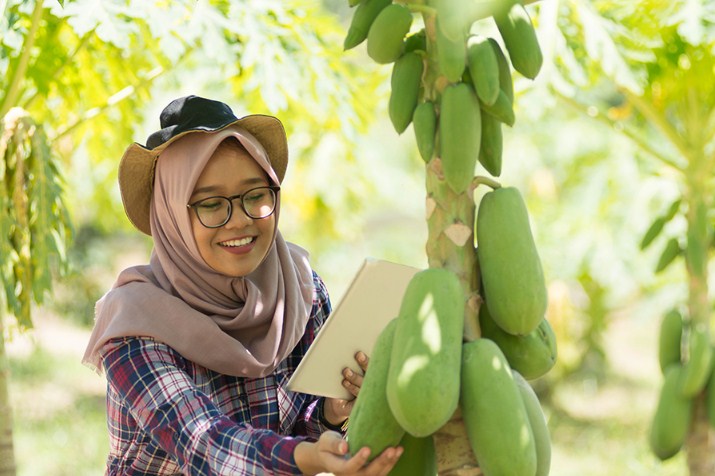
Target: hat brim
[(136, 168)]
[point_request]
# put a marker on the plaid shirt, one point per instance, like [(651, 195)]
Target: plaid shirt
[(168, 415)]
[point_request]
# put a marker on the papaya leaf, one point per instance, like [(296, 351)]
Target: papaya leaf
[(600, 46), (692, 18), (32, 214), (48, 216)]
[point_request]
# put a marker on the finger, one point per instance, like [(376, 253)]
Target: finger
[(333, 442), (353, 377), (362, 360), (384, 463), (352, 388), (354, 464)]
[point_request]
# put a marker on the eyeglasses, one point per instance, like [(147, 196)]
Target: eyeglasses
[(215, 212)]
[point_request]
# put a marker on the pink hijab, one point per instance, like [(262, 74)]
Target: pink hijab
[(241, 326)]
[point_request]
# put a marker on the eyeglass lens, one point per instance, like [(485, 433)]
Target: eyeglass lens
[(216, 211)]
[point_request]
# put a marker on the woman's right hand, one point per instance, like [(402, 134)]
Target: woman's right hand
[(329, 454)]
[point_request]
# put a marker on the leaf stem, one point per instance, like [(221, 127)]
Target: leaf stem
[(13, 91), (484, 180), (111, 101), (425, 9), (657, 120), (625, 130)]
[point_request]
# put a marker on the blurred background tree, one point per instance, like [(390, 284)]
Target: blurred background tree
[(644, 69)]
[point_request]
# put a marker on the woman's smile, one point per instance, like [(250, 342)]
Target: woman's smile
[(239, 246)]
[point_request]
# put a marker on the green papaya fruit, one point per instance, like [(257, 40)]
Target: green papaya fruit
[(657, 226), (483, 68), (494, 413), (671, 251), (520, 39), (509, 263), (670, 339), (386, 38), (653, 231), (362, 20), (532, 355), (539, 427), (424, 123), (416, 41), (418, 457), (506, 82), (673, 209), (672, 417), (371, 421), (451, 55), (501, 110), (452, 20), (460, 132), (491, 147), (423, 380), (405, 84), (696, 369)]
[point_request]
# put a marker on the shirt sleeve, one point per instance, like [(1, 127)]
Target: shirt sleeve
[(311, 422), (184, 422)]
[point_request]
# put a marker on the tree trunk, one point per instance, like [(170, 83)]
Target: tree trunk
[(7, 457), (701, 442), (450, 245)]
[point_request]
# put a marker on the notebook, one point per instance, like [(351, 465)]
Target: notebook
[(370, 302)]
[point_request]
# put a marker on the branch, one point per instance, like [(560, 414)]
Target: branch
[(628, 132), (13, 91), (111, 101)]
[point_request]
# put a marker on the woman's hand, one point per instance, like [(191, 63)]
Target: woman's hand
[(337, 410), (329, 454)]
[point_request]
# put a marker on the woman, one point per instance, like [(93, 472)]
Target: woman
[(198, 345)]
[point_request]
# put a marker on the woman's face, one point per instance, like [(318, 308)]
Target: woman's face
[(239, 246)]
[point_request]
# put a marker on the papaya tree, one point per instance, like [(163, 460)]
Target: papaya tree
[(645, 69), (452, 64), (34, 229), (38, 53)]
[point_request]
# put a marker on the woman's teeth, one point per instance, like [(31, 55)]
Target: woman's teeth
[(241, 242)]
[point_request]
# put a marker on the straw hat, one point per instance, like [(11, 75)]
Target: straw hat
[(183, 116)]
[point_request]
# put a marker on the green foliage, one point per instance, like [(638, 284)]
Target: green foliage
[(34, 224), (101, 66)]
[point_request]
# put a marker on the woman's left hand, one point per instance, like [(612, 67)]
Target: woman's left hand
[(337, 410)]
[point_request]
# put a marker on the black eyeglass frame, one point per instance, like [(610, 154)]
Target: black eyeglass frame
[(273, 188)]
